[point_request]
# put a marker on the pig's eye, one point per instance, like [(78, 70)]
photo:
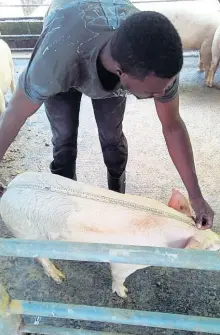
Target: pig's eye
[(181, 207)]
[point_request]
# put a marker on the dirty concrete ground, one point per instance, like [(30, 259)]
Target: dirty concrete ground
[(150, 172)]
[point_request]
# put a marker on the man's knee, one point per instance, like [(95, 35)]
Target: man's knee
[(62, 112), (116, 144)]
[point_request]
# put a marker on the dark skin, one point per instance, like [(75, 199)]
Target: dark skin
[(174, 130), (180, 150)]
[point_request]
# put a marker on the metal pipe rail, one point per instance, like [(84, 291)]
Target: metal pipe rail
[(97, 252), (22, 33), (47, 5), (11, 311)]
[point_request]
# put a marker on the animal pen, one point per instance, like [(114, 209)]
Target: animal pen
[(11, 310), (21, 33)]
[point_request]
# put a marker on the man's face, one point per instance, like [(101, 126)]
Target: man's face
[(150, 87)]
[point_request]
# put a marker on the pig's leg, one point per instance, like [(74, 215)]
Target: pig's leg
[(205, 56), (51, 270), (119, 274), (212, 71), (215, 58), (201, 65)]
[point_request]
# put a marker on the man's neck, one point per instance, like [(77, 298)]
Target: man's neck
[(106, 59)]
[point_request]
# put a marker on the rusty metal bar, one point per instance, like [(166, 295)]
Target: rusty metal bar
[(9, 323)]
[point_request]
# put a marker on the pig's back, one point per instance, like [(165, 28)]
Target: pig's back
[(31, 208), (39, 205), (53, 187)]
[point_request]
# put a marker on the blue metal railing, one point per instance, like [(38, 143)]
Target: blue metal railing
[(12, 310)]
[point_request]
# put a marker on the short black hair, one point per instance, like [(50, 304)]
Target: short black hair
[(147, 42)]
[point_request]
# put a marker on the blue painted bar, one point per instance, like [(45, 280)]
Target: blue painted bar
[(116, 315), (50, 330), (166, 257)]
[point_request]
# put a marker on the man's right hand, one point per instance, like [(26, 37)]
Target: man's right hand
[(18, 110)]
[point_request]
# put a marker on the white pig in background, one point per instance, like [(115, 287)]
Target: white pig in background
[(2, 102), (198, 24), (6, 73), (44, 206)]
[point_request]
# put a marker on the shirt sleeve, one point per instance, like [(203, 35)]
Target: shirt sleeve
[(170, 92), (50, 69)]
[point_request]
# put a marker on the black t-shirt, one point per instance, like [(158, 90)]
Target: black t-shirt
[(66, 54)]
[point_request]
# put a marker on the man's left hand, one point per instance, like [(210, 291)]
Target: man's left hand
[(204, 213)]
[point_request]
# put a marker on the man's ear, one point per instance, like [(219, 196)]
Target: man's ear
[(119, 72), (118, 69), (179, 202)]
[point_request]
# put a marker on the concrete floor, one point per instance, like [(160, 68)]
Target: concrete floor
[(150, 172)]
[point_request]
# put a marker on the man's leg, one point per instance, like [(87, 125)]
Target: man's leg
[(63, 114), (109, 114)]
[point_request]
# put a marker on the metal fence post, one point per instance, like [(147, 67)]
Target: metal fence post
[(9, 324)]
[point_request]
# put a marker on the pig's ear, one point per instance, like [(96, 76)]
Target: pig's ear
[(179, 202)]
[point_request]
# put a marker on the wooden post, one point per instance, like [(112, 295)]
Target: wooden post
[(9, 324)]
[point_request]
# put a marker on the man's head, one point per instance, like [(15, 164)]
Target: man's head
[(147, 52)]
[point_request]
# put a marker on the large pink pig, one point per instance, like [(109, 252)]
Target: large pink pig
[(44, 206)]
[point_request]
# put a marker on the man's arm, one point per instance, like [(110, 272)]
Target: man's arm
[(15, 115), (180, 150), (178, 143)]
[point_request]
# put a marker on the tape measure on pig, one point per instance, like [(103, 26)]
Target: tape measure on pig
[(105, 199)]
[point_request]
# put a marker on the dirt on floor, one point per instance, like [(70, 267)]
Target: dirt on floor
[(150, 172)]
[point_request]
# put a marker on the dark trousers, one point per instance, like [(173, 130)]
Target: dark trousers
[(63, 114)]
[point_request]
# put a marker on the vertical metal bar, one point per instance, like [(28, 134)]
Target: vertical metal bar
[(9, 323)]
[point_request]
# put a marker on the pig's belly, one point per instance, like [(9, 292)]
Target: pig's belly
[(119, 226), (194, 34)]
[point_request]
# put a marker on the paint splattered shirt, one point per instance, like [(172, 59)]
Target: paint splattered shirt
[(66, 53)]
